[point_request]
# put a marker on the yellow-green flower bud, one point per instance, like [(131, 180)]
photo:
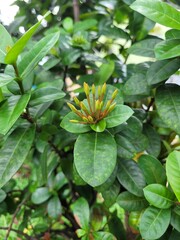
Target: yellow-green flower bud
[(111, 108), (76, 100), (108, 104), (114, 94), (74, 121), (85, 119), (86, 89), (97, 105), (72, 107), (90, 119), (103, 90)]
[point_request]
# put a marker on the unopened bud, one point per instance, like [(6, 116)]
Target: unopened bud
[(85, 119), (83, 107), (114, 94), (108, 105), (111, 108), (97, 105), (86, 89), (101, 104), (74, 121), (103, 90), (90, 119), (72, 107), (76, 100)]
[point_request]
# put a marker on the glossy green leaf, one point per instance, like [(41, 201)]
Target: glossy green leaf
[(5, 44), (5, 79), (133, 128), (14, 152), (175, 220), (103, 236), (144, 48), (80, 209), (159, 12), (162, 70), (154, 222), (95, 157), (59, 181), (18, 47), (167, 49), (99, 126), (152, 169), (54, 208), (39, 50), (74, 127), (130, 202), (119, 115), (159, 196), (2, 195), (68, 24), (173, 172), (40, 195), (109, 92), (131, 177), (116, 227), (104, 73), (11, 110), (172, 34), (168, 105)]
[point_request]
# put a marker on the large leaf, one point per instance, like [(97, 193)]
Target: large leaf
[(168, 105), (159, 12), (175, 220), (162, 70), (40, 195), (74, 127), (5, 43), (154, 222), (80, 209), (159, 196), (167, 49), (173, 172), (144, 48), (11, 110), (119, 115), (39, 50), (152, 169), (172, 34), (5, 79), (131, 177), (95, 157), (14, 152), (54, 207), (17, 48), (130, 202)]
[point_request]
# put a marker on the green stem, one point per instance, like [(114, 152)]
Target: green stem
[(18, 80)]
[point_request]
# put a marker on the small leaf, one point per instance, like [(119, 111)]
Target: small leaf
[(131, 177), (85, 25), (173, 172), (54, 208), (110, 195), (130, 202), (159, 12), (154, 222), (172, 34), (95, 157), (104, 73), (119, 115), (168, 105), (40, 195), (99, 126), (159, 196), (14, 152), (2, 195), (5, 79), (80, 209), (167, 49)]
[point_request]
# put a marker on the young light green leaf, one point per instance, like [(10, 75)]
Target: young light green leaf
[(95, 157), (159, 12), (154, 222), (168, 105), (14, 152), (17, 48), (11, 110), (131, 177), (39, 50), (5, 79), (5, 44), (173, 172), (99, 126), (54, 207), (40, 195), (167, 49), (159, 196), (119, 115)]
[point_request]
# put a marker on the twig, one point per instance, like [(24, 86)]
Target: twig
[(76, 10), (17, 231), (150, 104)]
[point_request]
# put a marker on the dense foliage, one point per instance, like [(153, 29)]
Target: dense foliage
[(89, 124)]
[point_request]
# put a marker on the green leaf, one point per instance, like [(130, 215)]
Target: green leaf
[(85, 25), (154, 222), (103, 236), (54, 208), (119, 115), (104, 73), (131, 177), (80, 209), (11, 110), (152, 169), (6, 42), (5, 79), (43, 165), (175, 220), (59, 181), (14, 152), (74, 127), (99, 126), (133, 128), (116, 227), (168, 105), (159, 196), (159, 12), (38, 51), (95, 157), (172, 34), (144, 48), (173, 172), (2, 195), (136, 85), (161, 70), (68, 24), (18, 47), (130, 202), (40, 195), (167, 49), (175, 235)]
